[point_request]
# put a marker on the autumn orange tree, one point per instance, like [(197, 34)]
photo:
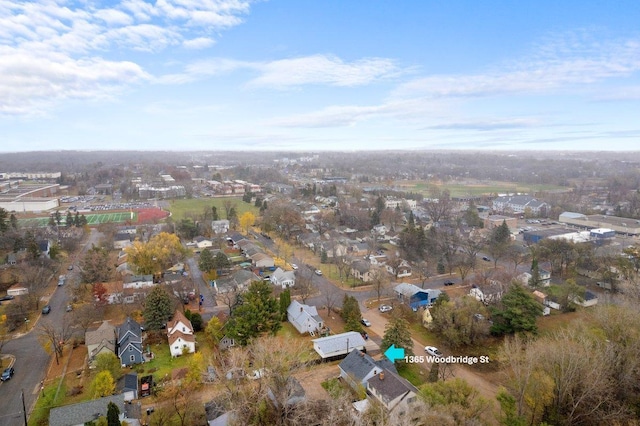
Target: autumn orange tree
[(161, 252)]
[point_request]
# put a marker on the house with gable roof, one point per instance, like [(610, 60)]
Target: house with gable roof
[(415, 296), (283, 278), (358, 367), (89, 411), (391, 390), (304, 318), (101, 340), (129, 343), (180, 335)]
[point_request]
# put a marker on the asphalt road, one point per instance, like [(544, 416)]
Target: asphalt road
[(31, 361)]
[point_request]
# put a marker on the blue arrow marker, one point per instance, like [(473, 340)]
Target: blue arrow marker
[(394, 353)]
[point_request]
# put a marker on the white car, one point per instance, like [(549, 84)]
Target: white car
[(365, 322), (385, 308), (294, 266), (432, 350), (318, 272)]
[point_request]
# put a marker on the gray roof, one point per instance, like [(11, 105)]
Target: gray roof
[(299, 312), (106, 331), (408, 290), (128, 382), (336, 342), (358, 365), (281, 275), (391, 387), (361, 266), (238, 280), (82, 412)]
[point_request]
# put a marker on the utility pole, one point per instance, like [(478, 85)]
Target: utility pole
[(24, 409)]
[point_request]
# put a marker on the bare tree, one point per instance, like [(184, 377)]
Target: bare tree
[(304, 284), (54, 337), (379, 282), (439, 206)]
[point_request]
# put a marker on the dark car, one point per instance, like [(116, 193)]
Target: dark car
[(486, 259), (7, 297), (7, 374), (448, 283), (46, 309)]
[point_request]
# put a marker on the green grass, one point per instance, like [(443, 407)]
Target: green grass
[(412, 372), (477, 188), (40, 414), (92, 219), (334, 387), (195, 207), (163, 364)]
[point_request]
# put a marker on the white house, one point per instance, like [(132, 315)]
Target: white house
[(392, 391), (489, 293), (283, 278), (180, 335), (202, 242), (220, 226), (304, 318), (338, 345), (262, 260)]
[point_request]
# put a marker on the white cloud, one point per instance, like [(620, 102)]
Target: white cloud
[(561, 66), (60, 46), (322, 69), (198, 43)]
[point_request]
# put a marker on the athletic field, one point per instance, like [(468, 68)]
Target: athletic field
[(93, 219)]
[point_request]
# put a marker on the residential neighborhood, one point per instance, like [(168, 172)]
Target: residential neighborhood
[(303, 296)]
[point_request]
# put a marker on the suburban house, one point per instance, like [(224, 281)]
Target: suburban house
[(489, 293), (362, 270), (589, 299), (262, 260), (544, 281), (293, 391), (235, 238), (283, 278), (401, 271), (122, 240), (202, 242), (415, 296), (12, 259), (238, 281), (180, 335), (358, 367), (129, 343), (45, 247), (338, 345), (304, 318), (220, 226), (391, 390), (138, 281), (89, 411), (101, 340)]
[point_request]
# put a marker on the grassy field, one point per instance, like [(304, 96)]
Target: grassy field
[(475, 188), (92, 219), (195, 207)]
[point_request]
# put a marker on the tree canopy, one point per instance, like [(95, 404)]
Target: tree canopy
[(158, 308), (516, 312), (257, 313), (95, 266), (397, 333), (161, 252), (351, 314)]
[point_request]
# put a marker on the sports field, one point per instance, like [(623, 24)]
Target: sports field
[(92, 219)]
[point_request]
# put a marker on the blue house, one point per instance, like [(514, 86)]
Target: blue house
[(129, 343), (415, 296)]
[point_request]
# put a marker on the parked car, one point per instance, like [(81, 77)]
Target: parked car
[(318, 272), (294, 266), (385, 308), (365, 322), (69, 308), (70, 268), (7, 374), (46, 309), (7, 297), (432, 350), (486, 259), (448, 283)]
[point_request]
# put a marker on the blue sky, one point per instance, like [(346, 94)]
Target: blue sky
[(319, 75)]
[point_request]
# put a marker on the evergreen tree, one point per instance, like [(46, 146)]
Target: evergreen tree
[(534, 281), (221, 261), (76, 220), (375, 218), (285, 301), (258, 202), (158, 308), (58, 217), (351, 314), (3, 221), (69, 220), (14, 221), (257, 313), (501, 234), (324, 258), (52, 221), (214, 213), (397, 333), (206, 262), (113, 413), (517, 312)]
